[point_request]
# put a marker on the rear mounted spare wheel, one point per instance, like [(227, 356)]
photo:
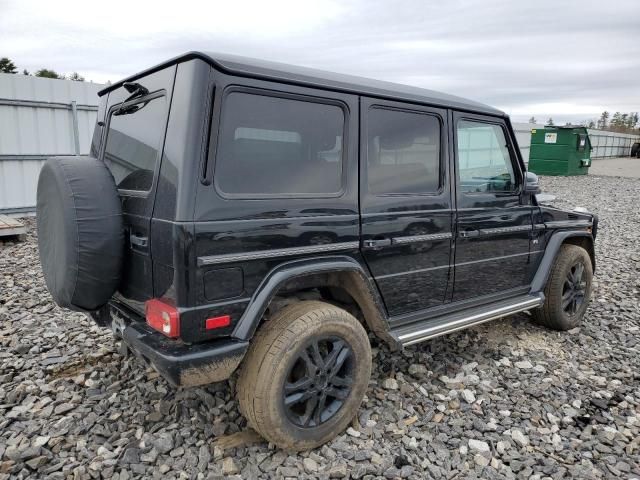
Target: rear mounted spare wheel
[(80, 232)]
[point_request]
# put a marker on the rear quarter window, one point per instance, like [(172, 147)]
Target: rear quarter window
[(270, 146), (133, 140)]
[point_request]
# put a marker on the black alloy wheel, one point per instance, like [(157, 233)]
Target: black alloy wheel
[(574, 289), (319, 381), (568, 289), (305, 374)]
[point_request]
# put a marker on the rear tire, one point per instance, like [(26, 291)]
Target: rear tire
[(568, 290), (282, 356)]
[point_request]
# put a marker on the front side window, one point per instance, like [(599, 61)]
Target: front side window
[(133, 140), (274, 146), (484, 163), (403, 155)]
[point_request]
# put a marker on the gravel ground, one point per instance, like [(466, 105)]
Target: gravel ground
[(507, 399)]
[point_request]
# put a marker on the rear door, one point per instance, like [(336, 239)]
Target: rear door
[(405, 201), (494, 215), (135, 127)]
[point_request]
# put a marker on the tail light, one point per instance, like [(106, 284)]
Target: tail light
[(163, 317)]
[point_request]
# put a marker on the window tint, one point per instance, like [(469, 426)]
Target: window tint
[(278, 146), (484, 163), (403, 152), (133, 141)]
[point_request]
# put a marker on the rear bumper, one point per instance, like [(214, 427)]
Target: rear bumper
[(180, 364)]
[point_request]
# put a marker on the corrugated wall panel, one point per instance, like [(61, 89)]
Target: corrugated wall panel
[(29, 132)]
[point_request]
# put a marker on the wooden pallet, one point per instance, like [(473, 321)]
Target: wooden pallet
[(10, 226)]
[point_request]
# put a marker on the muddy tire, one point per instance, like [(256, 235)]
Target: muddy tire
[(568, 290), (305, 374)]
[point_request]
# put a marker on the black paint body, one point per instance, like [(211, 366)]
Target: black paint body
[(420, 254)]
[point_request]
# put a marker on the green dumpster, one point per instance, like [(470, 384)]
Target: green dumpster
[(560, 150)]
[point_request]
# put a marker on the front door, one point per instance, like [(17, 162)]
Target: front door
[(405, 203), (493, 215), (135, 125)]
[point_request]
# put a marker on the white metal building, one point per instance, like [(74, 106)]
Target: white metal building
[(40, 118)]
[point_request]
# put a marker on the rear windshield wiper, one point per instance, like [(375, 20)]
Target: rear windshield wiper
[(136, 90)]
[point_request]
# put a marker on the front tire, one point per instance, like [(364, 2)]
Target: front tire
[(568, 290), (305, 375)]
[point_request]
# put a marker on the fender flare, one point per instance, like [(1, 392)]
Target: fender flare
[(553, 247), (369, 300)]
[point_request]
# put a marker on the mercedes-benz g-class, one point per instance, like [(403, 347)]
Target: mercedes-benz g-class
[(236, 215)]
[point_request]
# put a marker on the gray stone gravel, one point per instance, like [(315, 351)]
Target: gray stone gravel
[(504, 400)]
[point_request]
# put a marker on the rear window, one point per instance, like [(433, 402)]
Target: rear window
[(274, 146), (403, 152), (133, 141)]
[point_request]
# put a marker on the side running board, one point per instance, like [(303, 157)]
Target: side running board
[(434, 327)]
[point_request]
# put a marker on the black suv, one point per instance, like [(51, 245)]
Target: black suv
[(240, 215)]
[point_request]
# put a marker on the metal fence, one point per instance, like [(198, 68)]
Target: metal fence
[(611, 144), (605, 144), (40, 118)]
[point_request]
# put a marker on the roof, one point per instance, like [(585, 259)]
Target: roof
[(250, 67)]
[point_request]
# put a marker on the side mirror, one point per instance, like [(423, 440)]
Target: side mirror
[(531, 183)]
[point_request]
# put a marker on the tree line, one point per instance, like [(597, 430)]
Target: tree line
[(7, 66), (619, 122)]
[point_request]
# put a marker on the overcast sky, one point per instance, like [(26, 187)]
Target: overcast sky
[(566, 59)]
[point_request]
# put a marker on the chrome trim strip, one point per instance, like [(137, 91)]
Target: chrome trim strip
[(410, 272), (517, 228), (437, 330), (422, 270), (408, 212), (498, 258), (568, 224), (421, 238), (539, 226), (279, 252)]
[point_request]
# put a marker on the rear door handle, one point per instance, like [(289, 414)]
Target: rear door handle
[(138, 241), (469, 233), (376, 243)]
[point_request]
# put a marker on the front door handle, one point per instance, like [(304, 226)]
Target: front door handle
[(138, 241), (376, 243), (469, 233)]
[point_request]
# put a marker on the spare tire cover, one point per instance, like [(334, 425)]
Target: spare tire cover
[(80, 232)]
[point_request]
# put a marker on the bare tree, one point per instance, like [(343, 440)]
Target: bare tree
[(76, 77)]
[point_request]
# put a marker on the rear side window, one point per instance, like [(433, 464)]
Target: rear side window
[(484, 163), (274, 146), (133, 141), (403, 152)]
